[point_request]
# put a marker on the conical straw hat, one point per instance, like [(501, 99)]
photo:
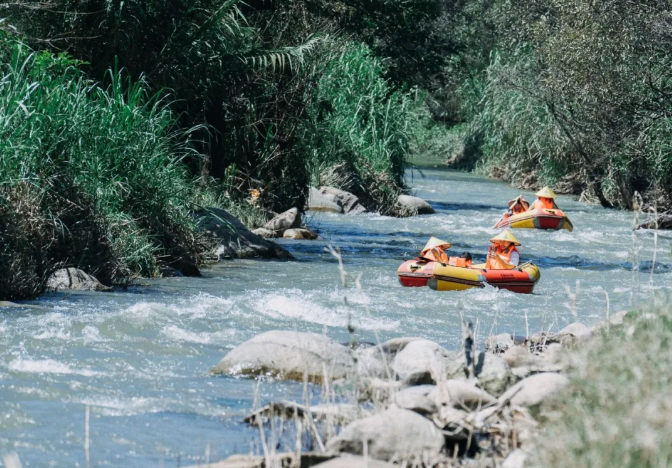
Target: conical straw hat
[(546, 192), (514, 200), (506, 236), (434, 242)]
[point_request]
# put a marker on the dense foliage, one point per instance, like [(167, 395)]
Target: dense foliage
[(91, 176), (575, 93)]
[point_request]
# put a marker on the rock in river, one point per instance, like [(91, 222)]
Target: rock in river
[(290, 219), (394, 434), (412, 206), (421, 362), (234, 239), (288, 355), (72, 279), (299, 234), (348, 201), (318, 201)]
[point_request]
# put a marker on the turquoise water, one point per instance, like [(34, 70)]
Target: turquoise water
[(140, 358)]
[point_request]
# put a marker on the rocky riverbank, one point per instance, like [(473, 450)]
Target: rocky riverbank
[(409, 401)]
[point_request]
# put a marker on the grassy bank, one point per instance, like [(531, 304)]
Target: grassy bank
[(92, 175), (616, 411)]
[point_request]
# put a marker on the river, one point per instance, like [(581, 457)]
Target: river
[(140, 358)]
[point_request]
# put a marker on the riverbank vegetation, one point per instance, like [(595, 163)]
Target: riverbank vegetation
[(122, 119), (570, 93)]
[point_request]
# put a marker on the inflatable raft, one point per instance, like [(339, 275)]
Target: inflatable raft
[(537, 219), (450, 278), (416, 272)]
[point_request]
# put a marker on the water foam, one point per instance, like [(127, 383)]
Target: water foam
[(48, 366)]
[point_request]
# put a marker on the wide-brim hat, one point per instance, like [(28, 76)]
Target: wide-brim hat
[(514, 200), (434, 242), (546, 192), (506, 236)]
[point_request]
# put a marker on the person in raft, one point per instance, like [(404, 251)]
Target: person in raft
[(435, 251), (516, 206), (545, 200), (503, 254)]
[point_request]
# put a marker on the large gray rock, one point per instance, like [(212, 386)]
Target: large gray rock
[(492, 371), (233, 239), (535, 389), (72, 279), (412, 206), (353, 461), (318, 201), (421, 399), (349, 202), (421, 362), (394, 434), (265, 233), (462, 394), (290, 219), (299, 234), (376, 360), (288, 355), (576, 329)]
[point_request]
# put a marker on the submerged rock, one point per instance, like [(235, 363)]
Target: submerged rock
[(535, 389), (412, 206), (233, 239), (318, 201), (394, 434), (299, 233), (73, 279), (290, 219), (348, 201), (288, 355)]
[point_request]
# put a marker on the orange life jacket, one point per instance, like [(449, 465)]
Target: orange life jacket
[(544, 203), (459, 262), (494, 263), (436, 254)]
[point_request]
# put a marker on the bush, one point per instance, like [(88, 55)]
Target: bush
[(92, 177)]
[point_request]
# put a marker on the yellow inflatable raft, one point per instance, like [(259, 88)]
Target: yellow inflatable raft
[(450, 278), (537, 219)]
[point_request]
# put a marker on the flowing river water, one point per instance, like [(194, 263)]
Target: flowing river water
[(140, 358)]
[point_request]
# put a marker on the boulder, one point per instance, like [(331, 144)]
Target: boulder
[(169, 272), (375, 361), (394, 434), (353, 461), (577, 329), (463, 395), (524, 363), (421, 399), (412, 206), (299, 234), (421, 362), (499, 343), (348, 201), (318, 201), (288, 355), (492, 371), (265, 233), (535, 389), (72, 279), (290, 219), (233, 239)]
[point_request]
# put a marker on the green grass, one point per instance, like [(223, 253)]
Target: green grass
[(91, 176), (618, 410)]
